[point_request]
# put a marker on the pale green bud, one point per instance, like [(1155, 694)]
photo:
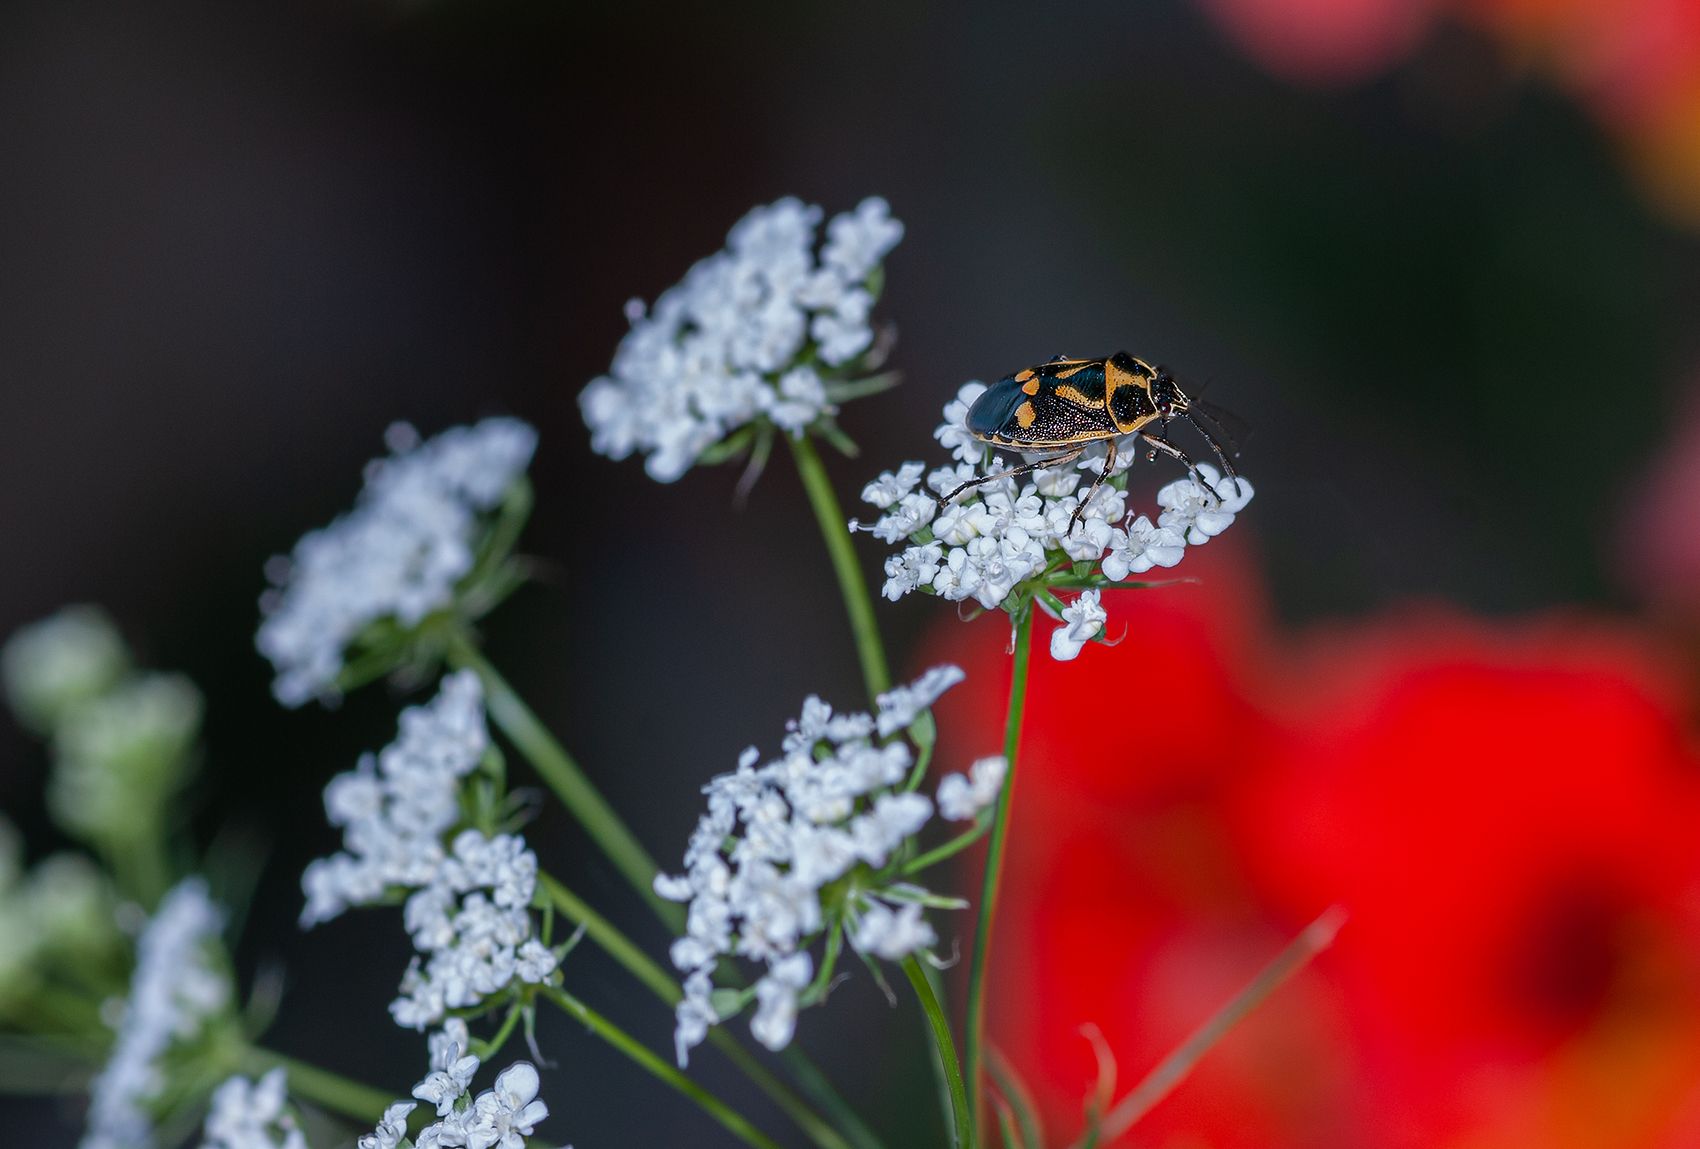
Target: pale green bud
[(121, 756), (70, 905), (65, 659)]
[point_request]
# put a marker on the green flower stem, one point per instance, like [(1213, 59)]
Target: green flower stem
[(609, 939), (851, 584), (332, 1092), (1172, 1070), (138, 861), (814, 1083), (975, 1032), (558, 769), (964, 1132), (619, 947), (870, 652), (564, 777), (628, 1045), (949, 849), (52, 1009)]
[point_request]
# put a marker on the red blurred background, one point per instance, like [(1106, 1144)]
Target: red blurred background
[(1507, 809)]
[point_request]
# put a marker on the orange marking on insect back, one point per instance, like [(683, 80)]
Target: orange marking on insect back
[(1074, 395), (1024, 376), (1031, 387), (1024, 416), (1074, 370)]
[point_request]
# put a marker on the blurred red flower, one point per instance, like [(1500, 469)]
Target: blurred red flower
[(1508, 811)]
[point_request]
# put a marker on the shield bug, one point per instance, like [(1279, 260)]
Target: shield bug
[(1061, 407)]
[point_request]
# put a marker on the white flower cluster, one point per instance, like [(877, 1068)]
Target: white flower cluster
[(248, 1114), (499, 1118), (176, 989), (398, 555), (752, 332), (467, 908), (761, 867), (997, 536)]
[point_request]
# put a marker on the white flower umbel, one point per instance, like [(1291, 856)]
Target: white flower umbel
[(403, 553), (180, 986), (498, 1118), (405, 831), (806, 848), (248, 1114), (1007, 541), (758, 335)]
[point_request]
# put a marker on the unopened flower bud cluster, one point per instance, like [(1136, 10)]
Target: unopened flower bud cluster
[(998, 540), (468, 893), (755, 332), (60, 911), (122, 739), (806, 844)]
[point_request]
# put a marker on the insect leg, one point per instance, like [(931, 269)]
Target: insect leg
[(1109, 465), (1051, 461), (1227, 466), (1175, 452)]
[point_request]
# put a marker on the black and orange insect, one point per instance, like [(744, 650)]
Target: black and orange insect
[(1065, 405)]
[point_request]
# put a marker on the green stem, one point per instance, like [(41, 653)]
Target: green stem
[(946, 1046), (814, 1083), (851, 584), (563, 775), (950, 849), (876, 675), (138, 861), (619, 947), (609, 939), (1172, 1070), (628, 1045), (329, 1091), (975, 1036)]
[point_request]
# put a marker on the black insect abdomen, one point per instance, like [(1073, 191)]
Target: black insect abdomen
[(995, 409)]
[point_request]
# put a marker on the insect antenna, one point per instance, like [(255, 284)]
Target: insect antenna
[(1229, 427), (1198, 424)]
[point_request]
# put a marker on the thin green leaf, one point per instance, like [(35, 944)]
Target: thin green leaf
[(843, 391), (1018, 1096)]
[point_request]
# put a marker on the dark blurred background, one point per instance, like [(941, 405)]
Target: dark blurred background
[(237, 240)]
